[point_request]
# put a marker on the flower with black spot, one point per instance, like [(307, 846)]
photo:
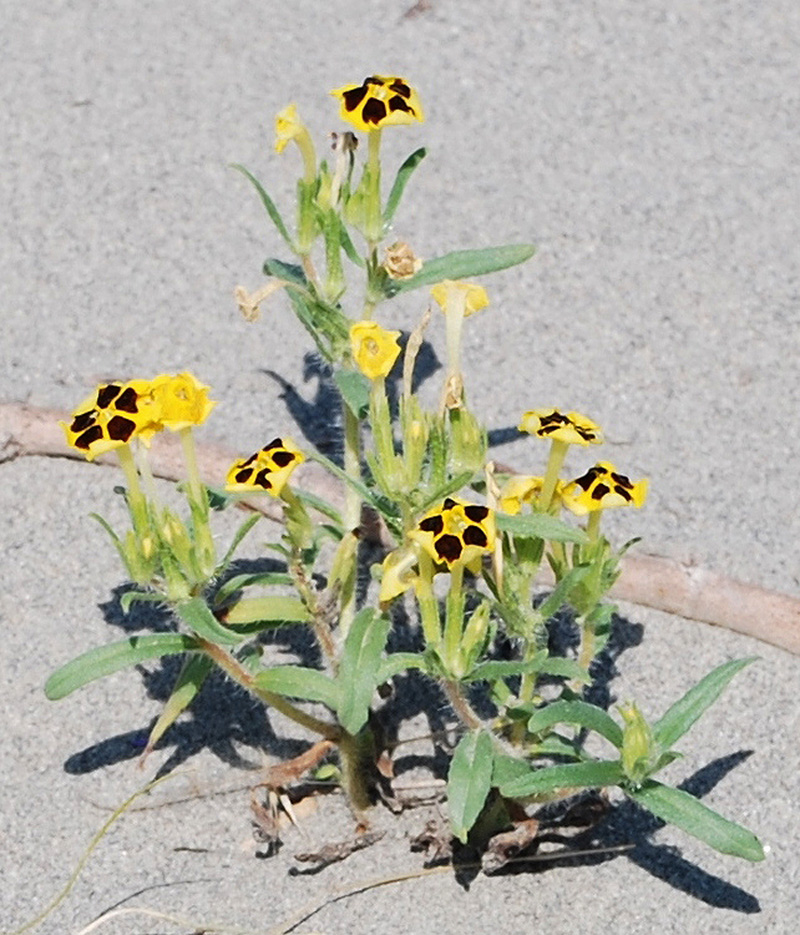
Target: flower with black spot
[(572, 428), (456, 533), (267, 470), (601, 487), (117, 413), (379, 101)]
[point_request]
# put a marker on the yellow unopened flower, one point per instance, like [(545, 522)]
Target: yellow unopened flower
[(112, 417), (288, 127), (398, 573), (456, 533), (520, 489), (268, 469), (462, 297), (374, 348), (180, 400), (380, 101), (601, 487), (572, 428)]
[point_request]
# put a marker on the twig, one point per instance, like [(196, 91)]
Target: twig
[(648, 580)]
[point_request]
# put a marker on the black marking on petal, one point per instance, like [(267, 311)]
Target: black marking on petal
[(107, 394), (92, 435), (586, 434), (354, 96), (374, 111), (400, 87), (623, 492), (262, 479), (600, 491), (434, 524), (275, 443), (282, 458), (245, 462), (398, 103), (120, 429), (374, 79), (127, 400), (474, 535), (448, 504), (242, 476), (555, 418), (621, 480), (476, 513), (586, 481), (448, 547), (83, 420)]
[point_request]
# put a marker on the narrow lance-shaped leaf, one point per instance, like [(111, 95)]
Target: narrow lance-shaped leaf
[(197, 615), (238, 582), (189, 682), (463, 264), (691, 815), (540, 526), (274, 609), (359, 668), (469, 780), (680, 716), (299, 682), (577, 712), (404, 173), (354, 387), (241, 532), (268, 203), (396, 663), (591, 775), (103, 660)]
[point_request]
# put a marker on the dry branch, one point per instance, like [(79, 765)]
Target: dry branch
[(648, 580)]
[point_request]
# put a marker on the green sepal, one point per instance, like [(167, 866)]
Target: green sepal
[(462, 264), (355, 390), (103, 660), (404, 173), (469, 780), (359, 668), (190, 680), (682, 715), (299, 682), (580, 713), (539, 526), (268, 203), (196, 614), (683, 810), (592, 774)]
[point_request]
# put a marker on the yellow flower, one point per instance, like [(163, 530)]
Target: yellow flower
[(464, 297), (115, 414), (374, 349), (398, 573), (522, 488), (572, 428), (288, 127), (180, 400), (601, 487), (456, 533), (380, 101), (268, 469)]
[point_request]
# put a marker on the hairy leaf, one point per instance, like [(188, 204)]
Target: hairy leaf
[(359, 668), (469, 781)]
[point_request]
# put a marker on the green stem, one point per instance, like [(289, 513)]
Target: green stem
[(357, 758), (137, 503), (374, 222), (558, 451), (352, 505), (428, 605), (460, 705), (199, 497), (454, 620)]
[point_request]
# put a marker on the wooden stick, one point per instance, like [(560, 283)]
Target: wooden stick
[(648, 580)]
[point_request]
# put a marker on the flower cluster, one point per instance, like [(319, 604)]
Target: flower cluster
[(118, 412)]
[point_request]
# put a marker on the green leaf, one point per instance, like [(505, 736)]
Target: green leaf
[(564, 668), (539, 526), (289, 272), (507, 769), (196, 615), (594, 774), (299, 682), (580, 713), (396, 663), (241, 532), (349, 247), (189, 682), (497, 669), (104, 660), (239, 582), (463, 264), (133, 596), (688, 813), (452, 486), (359, 668), (321, 506), (469, 780), (272, 609), (401, 180), (680, 717), (354, 387), (365, 492), (558, 596), (268, 203)]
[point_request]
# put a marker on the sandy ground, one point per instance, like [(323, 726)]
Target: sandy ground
[(651, 152)]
